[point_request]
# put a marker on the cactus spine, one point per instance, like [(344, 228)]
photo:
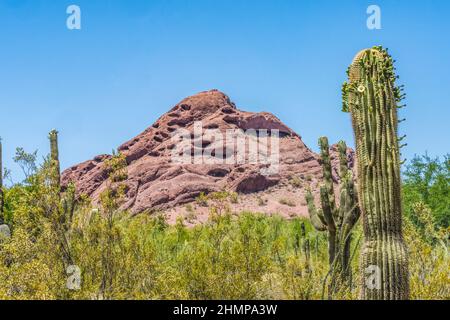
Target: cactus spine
[(372, 99), (338, 221)]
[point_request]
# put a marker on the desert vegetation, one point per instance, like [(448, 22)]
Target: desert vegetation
[(232, 256), (55, 245)]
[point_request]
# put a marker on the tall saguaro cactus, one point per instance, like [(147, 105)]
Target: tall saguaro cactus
[(372, 98), (338, 221), (54, 158)]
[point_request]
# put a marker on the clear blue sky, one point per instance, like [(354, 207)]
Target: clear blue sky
[(133, 59)]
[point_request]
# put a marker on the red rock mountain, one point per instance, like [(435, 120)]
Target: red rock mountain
[(155, 181)]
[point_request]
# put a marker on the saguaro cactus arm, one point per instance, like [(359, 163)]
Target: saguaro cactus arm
[(339, 222), (327, 209), (327, 176), (349, 212), (316, 215)]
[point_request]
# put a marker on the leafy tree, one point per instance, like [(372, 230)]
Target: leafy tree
[(26, 161), (427, 180)]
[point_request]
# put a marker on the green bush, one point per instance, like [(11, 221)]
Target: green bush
[(427, 180)]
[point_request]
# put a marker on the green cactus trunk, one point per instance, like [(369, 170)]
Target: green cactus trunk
[(338, 221), (305, 245), (372, 97), (65, 207), (54, 158)]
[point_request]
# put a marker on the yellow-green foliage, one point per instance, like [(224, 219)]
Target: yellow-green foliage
[(245, 256), (296, 182), (430, 274), (202, 200), (117, 166)]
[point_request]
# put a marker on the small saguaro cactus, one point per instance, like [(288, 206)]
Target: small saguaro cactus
[(54, 158), (66, 207), (338, 221), (372, 98), (68, 198)]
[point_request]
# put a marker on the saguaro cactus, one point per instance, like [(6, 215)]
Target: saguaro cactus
[(338, 221), (68, 198), (65, 209), (372, 98), (54, 158)]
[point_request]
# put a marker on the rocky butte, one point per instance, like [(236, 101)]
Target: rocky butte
[(156, 182)]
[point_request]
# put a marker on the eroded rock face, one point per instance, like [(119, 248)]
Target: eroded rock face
[(156, 181)]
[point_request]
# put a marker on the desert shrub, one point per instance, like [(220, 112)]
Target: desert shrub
[(234, 197), (202, 200), (429, 259), (251, 256), (191, 215), (287, 202), (117, 167), (31, 261), (231, 256), (296, 182)]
